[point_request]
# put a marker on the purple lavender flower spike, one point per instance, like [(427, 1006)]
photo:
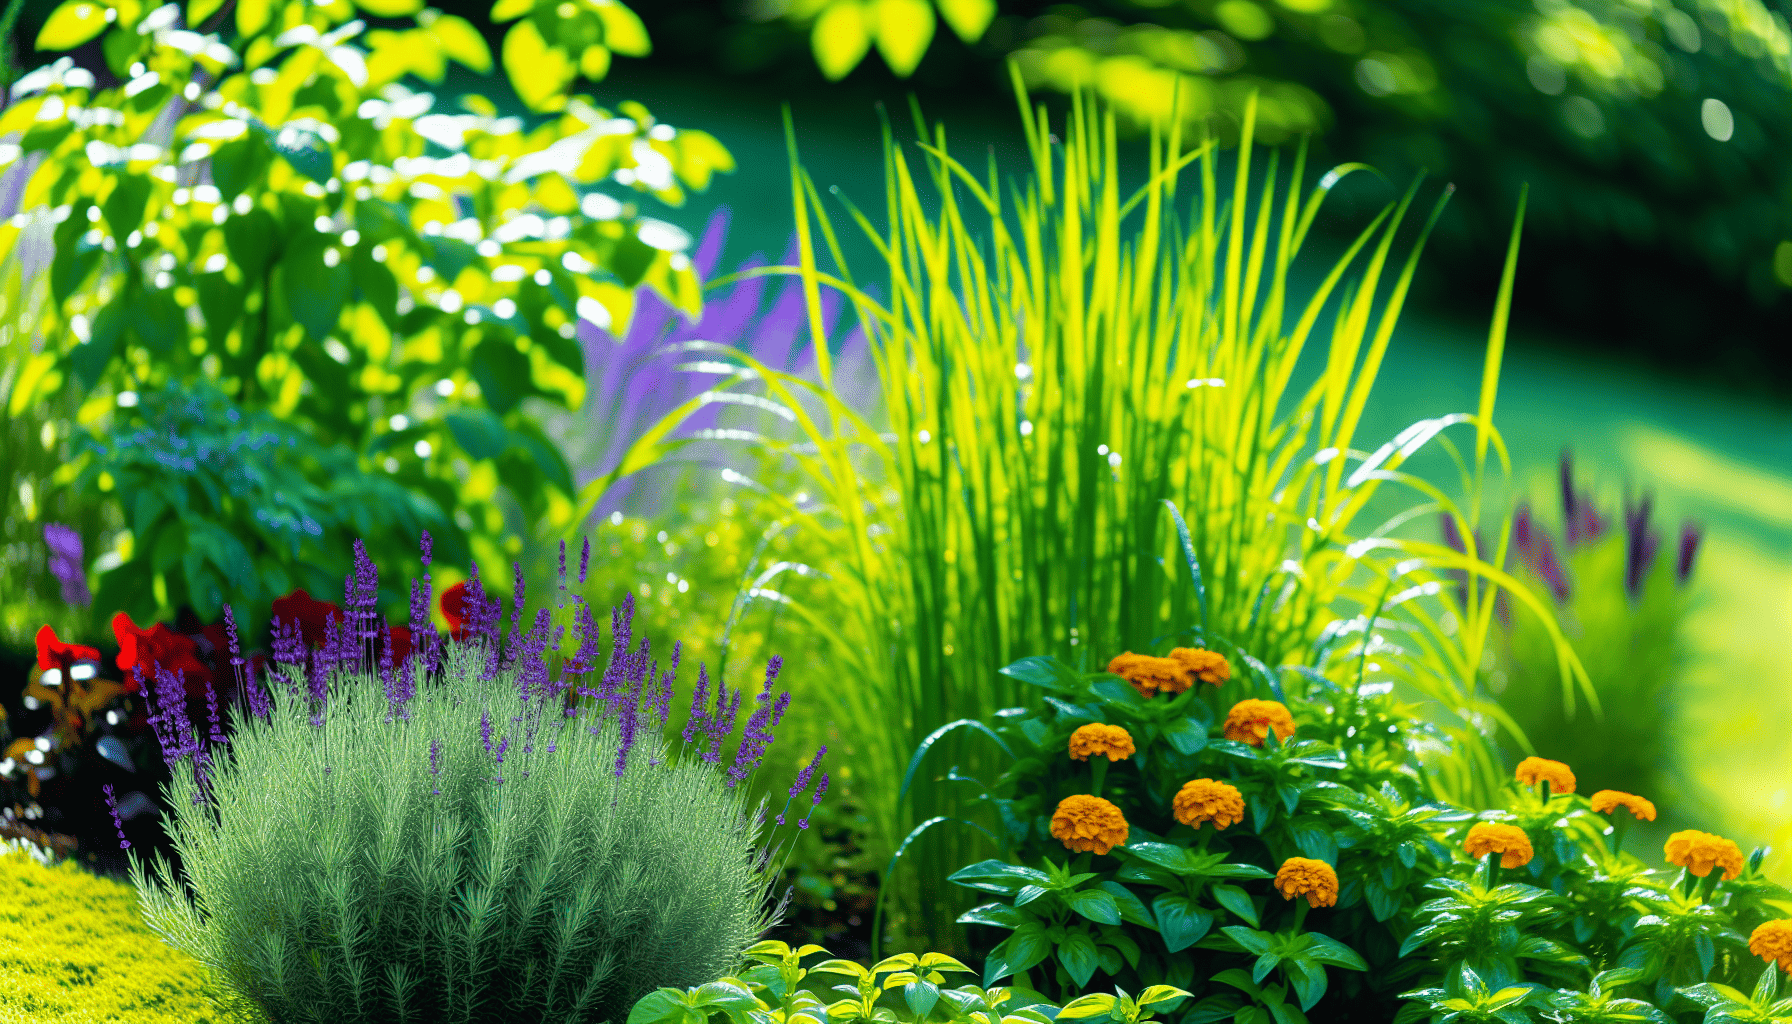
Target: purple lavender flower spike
[(1524, 534), (428, 547), (485, 729), (821, 787), (260, 704), (1690, 535), (808, 772), (211, 713), (435, 768), (1570, 502), (584, 560), (394, 696), (67, 563), (699, 705), (562, 563), (112, 805), (782, 706), (627, 725)]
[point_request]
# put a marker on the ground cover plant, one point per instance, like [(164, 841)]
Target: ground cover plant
[(1033, 444)]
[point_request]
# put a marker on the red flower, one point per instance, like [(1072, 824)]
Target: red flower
[(310, 613), (454, 608), (53, 653), (159, 645), (401, 644)]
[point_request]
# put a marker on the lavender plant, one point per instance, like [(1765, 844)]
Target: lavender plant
[(454, 837)]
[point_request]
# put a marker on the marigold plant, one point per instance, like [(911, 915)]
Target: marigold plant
[(1608, 800), (1699, 852), (1097, 740), (1204, 800), (1509, 841), (1088, 823), (1772, 941), (1151, 675), (1251, 720), (1534, 770), (1314, 879)]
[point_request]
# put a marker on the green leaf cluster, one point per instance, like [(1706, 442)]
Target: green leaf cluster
[(268, 205)]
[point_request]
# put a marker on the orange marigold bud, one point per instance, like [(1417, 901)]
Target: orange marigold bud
[(1149, 675), (1699, 852), (1206, 666), (1313, 879), (1533, 770), (1084, 823), (1509, 841), (1209, 800), (1250, 720), (1608, 800), (1110, 741), (1773, 942)]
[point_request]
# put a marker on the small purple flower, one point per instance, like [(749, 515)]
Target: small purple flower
[(67, 563), (782, 706), (1524, 534), (562, 563), (1690, 535), (485, 729), (112, 805), (211, 712), (584, 560), (428, 547), (1581, 522)]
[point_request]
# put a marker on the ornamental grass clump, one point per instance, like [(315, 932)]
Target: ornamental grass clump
[(456, 836)]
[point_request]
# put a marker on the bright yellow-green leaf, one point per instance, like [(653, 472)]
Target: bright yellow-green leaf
[(840, 38), (904, 28), (699, 157), (462, 43), (968, 18), (38, 376), (199, 10), (72, 24), (252, 16), (594, 63), (390, 8), (424, 54), (510, 10), (538, 72), (623, 31)]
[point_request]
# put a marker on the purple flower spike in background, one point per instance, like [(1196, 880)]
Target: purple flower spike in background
[(1581, 522), (1690, 535), (66, 561), (112, 806), (1549, 566), (1641, 542)]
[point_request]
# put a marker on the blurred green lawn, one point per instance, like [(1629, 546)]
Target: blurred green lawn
[(1712, 456)]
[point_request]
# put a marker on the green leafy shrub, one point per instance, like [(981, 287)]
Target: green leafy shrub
[(270, 207), (73, 950), (1270, 843), (440, 840)]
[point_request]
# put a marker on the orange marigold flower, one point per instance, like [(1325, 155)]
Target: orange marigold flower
[(1206, 666), (1313, 879), (1533, 770), (1209, 800), (1250, 720), (1110, 741), (1608, 800), (1149, 675), (1699, 852), (1509, 841), (1085, 823), (1773, 942)]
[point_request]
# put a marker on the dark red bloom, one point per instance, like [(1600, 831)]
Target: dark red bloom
[(401, 644), (53, 653), (454, 608), (159, 645), (310, 613)]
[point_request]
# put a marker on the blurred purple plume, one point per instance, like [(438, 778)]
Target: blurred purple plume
[(1641, 542), (1691, 534), (1581, 522), (68, 563), (635, 380)]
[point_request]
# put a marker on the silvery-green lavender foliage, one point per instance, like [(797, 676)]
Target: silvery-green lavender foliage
[(456, 838)]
